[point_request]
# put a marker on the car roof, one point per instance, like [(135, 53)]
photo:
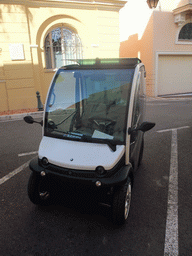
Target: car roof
[(110, 63)]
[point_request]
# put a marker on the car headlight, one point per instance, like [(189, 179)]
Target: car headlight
[(44, 161), (100, 170)]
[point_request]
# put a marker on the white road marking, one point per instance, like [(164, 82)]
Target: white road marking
[(13, 173), (168, 130), (171, 247), (5, 121), (171, 235), (28, 154), (157, 104)]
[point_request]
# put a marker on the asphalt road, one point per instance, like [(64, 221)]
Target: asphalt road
[(78, 226)]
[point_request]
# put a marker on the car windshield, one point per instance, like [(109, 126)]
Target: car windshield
[(89, 105)]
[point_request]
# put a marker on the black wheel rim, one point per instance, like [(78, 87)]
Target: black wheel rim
[(127, 201)]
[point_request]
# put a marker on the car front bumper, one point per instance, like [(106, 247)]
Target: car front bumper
[(116, 178)]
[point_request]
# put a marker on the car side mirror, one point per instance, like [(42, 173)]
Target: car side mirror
[(144, 127), (30, 120)]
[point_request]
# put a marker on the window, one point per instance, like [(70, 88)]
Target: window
[(186, 32), (61, 46)]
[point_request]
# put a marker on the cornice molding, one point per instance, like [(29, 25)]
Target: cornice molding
[(92, 4), (182, 9)]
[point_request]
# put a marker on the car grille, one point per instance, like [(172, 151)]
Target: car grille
[(71, 172), (84, 173)]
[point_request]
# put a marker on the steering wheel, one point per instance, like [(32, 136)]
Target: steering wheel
[(102, 123)]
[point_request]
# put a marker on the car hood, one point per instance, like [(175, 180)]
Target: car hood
[(79, 155)]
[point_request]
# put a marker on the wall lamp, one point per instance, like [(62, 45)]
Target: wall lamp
[(152, 3)]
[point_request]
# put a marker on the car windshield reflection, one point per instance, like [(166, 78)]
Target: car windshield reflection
[(89, 105)]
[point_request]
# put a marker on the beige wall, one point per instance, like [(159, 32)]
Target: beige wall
[(29, 23), (166, 44), (142, 49), (159, 38), (15, 74), (166, 33)]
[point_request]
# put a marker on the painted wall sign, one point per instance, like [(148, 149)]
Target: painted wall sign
[(16, 51)]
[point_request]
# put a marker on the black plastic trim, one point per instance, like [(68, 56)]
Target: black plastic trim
[(110, 63), (117, 176)]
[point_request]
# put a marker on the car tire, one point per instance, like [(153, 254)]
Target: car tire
[(39, 189), (121, 203)]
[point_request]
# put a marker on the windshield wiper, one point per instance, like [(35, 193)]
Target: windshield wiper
[(110, 143), (53, 126), (85, 138), (66, 118)]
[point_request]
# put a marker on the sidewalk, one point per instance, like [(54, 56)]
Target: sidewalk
[(183, 96), (20, 114)]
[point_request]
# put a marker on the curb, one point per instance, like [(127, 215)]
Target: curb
[(21, 116), (176, 98)]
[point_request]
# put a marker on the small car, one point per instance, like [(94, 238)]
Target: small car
[(93, 132)]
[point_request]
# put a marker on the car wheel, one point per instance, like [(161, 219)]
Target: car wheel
[(141, 152), (39, 189), (121, 203)]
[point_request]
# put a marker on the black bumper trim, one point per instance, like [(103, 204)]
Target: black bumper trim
[(118, 178)]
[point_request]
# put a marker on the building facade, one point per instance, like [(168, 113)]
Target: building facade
[(163, 41), (38, 36)]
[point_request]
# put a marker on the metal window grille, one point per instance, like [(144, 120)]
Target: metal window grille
[(186, 32), (61, 46)]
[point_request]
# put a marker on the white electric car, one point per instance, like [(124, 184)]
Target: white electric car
[(93, 132)]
